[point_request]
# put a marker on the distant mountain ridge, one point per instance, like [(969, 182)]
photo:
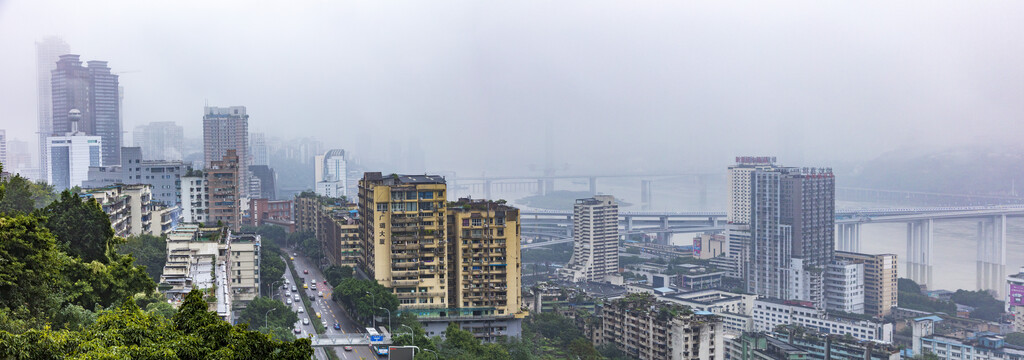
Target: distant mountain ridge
[(961, 170)]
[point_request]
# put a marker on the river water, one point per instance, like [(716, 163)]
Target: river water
[(955, 240)]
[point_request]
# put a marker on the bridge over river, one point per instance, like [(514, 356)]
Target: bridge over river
[(556, 226)]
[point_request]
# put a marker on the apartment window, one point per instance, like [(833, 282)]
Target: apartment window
[(465, 222), (477, 222), (382, 206)]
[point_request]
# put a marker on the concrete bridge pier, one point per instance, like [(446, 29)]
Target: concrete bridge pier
[(848, 237), (919, 252), (629, 223), (991, 255), (645, 194), (568, 229), (540, 188), (593, 185), (487, 189)]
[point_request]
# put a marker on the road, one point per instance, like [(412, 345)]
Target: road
[(330, 311)]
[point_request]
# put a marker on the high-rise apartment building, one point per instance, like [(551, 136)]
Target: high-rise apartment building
[(404, 233), (330, 172), (808, 206), (789, 213), (226, 129), (644, 328), (770, 249), (93, 90), (70, 156), (48, 51), (212, 258), (484, 237), (880, 281), (805, 283), (223, 186), (162, 140), (445, 264), (595, 234)]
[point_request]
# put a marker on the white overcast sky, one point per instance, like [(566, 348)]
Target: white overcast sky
[(624, 85)]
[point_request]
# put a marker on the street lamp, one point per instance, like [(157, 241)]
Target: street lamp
[(265, 316), (272, 287), (411, 334), (389, 319), (432, 352), (372, 316)]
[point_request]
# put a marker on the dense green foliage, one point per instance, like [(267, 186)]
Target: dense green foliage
[(149, 251), (355, 295), (985, 306), (127, 332), (68, 292), (1015, 338), (554, 254), (334, 274), (270, 316), (910, 297), (23, 196), (82, 228)]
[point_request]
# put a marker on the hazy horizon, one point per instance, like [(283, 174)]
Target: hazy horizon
[(622, 87)]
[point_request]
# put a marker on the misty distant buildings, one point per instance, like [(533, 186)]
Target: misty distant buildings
[(70, 156), (260, 151), (3, 149), (595, 235), (224, 190), (227, 129), (162, 140), (262, 182), (48, 51), (93, 90), (331, 174)]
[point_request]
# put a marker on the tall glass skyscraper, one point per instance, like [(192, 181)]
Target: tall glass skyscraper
[(93, 90)]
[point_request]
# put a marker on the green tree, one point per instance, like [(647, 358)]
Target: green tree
[(1015, 338), (149, 251), (907, 285), (334, 274), (354, 295), (271, 270), (280, 315), (82, 228), (127, 332), (161, 308), (31, 271), (278, 333), (17, 196), (42, 194)]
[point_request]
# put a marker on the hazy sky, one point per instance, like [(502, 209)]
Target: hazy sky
[(625, 86)]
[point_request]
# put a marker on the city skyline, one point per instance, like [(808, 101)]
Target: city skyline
[(839, 90)]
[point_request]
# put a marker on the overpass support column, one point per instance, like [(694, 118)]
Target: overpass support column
[(540, 187), (645, 194), (487, 189), (848, 237), (593, 185), (919, 252), (629, 223), (568, 229), (991, 259)]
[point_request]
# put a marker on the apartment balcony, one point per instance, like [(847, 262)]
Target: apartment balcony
[(405, 255), (405, 265), (405, 273), (413, 282), (407, 246)]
